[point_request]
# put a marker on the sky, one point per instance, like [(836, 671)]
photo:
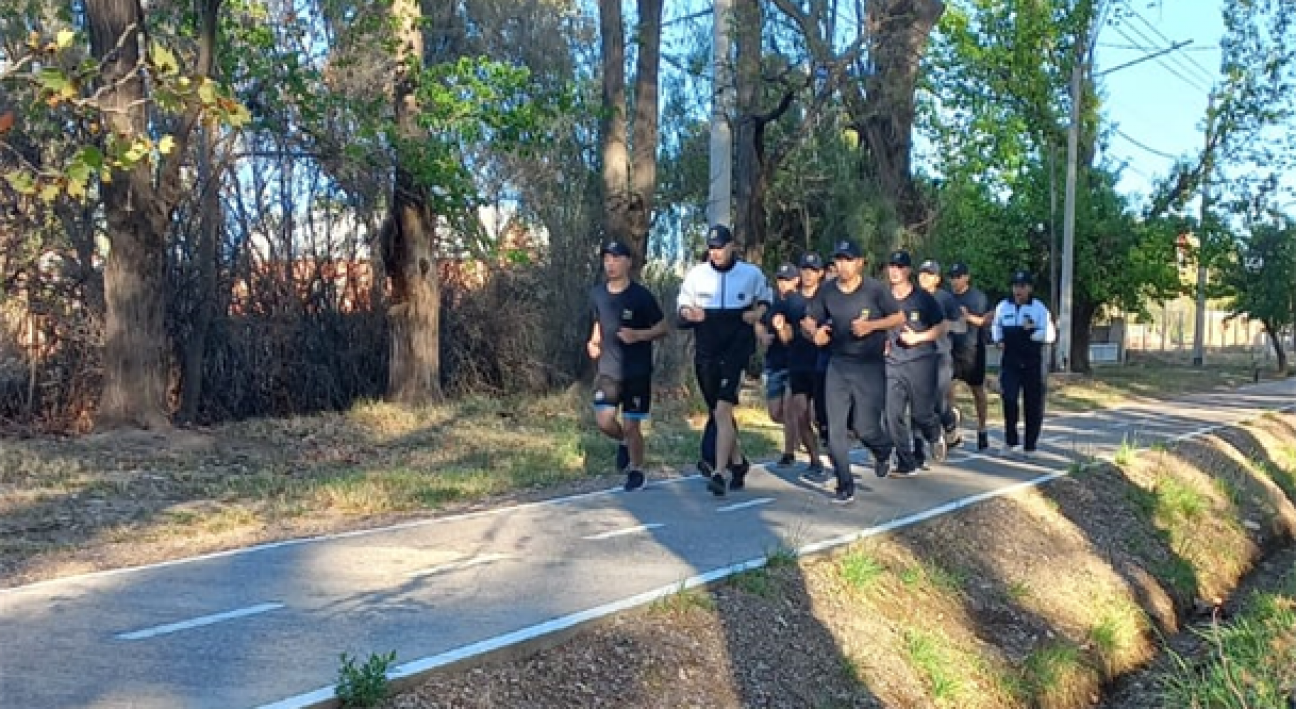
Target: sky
[(1158, 106)]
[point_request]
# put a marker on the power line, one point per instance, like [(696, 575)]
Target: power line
[(1173, 70), (1158, 33), (1194, 72), (1136, 143), (1177, 61), (1145, 48)]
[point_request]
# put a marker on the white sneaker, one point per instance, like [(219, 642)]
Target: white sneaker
[(1011, 451)]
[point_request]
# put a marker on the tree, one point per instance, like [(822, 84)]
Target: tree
[(1260, 276), (630, 165), (138, 204), (409, 256)]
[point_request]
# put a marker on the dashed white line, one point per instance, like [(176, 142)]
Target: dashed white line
[(622, 532), (744, 505), (458, 565), (198, 622)]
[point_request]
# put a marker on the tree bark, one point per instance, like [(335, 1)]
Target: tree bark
[(630, 177), (749, 173), (1275, 339), (1080, 323), (195, 349), (898, 31), (138, 214), (409, 253)]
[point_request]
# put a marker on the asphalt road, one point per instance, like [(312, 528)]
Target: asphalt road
[(265, 626)]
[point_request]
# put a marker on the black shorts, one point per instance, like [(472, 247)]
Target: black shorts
[(802, 383), (633, 395), (720, 375), (970, 365)]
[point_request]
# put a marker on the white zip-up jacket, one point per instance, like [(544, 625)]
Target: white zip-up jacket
[(725, 294)]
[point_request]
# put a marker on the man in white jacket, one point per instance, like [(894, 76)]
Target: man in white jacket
[(722, 300), (1021, 327)]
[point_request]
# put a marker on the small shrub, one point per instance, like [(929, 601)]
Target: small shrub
[(363, 685)]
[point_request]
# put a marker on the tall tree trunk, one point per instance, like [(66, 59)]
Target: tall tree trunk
[(409, 252), (749, 175), (643, 180), (195, 349), (138, 214), (629, 179), (1080, 324), (1275, 339), (898, 31)]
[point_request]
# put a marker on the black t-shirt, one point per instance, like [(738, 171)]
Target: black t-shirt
[(871, 301), (800, 354), (635, 308), (976, 303), (922, 313), (776, 354)]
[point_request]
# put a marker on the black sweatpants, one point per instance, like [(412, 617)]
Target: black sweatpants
[(1025, 379), (858, 387), (945, 380), (911, 394)]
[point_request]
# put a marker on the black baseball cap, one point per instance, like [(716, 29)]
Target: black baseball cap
[(617, 248), (847, 248), (930, 266), (1022, 278), (787, 272), (958, 269), (812, 260), (900, 258), (719, 236)]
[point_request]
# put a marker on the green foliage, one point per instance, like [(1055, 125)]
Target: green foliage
[(363, 685), (1253, 663), (1261, 277), (54, 81), (861, 570)]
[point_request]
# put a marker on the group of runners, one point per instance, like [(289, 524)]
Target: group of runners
[(846, 354)]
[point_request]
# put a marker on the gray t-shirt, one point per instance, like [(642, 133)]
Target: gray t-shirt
[(953, 315)]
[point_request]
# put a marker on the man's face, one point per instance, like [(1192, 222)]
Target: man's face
[(721, 255), (787, 285), (897, 274), (960, 283), (616, 266), (929, 281), (848, 268), (1022, 291), (811, 277)]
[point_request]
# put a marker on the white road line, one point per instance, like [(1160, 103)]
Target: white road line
[(744, 505), (198, 622), (458, 565), (623, 532)]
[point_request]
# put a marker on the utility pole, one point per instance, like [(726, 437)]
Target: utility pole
[(1068, 218), (1053, 242), (720, 190), (1208, 166)]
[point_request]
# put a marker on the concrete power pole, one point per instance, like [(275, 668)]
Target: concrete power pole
[(720, 190), (1068, 218), (1208, 166)]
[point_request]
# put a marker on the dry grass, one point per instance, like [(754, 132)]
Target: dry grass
[(75, 504)]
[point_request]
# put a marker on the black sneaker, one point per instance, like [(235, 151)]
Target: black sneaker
[(635, 480), (815, 474), (716, 484), (904, 471), (786, 460), (738, 475), (623, 456), (983, 440), (844, 497), (882, 466)]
